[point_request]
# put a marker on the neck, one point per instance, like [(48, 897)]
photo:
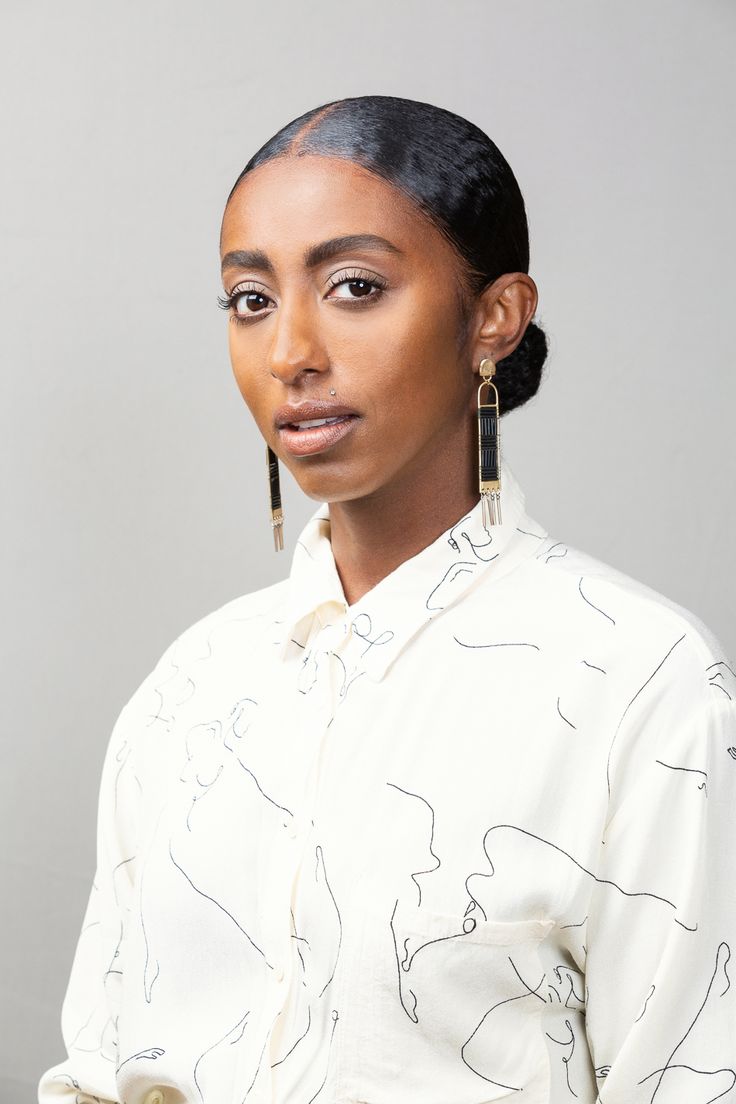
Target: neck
[(371, 536)]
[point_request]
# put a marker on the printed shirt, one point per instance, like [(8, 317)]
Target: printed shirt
[(469, 839)]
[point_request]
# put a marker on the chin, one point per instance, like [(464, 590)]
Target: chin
[(334, 487)]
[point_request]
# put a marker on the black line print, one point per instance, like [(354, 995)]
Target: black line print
[(309, 668), (507, 644), (198, 796), (453, 572), (158, 715), (591, 604), (335, 1017), (532, 992), (364, 630), (566, 1059), (302, 545), (593, 666), (721, 663), (222, 909), (148, 981), (123, 862), (227, 1037), (719, 965), (320, 866), (477, 549), (717, 685), (652, 990), (521, 996), (557, 555), (260, 1060), (298, 1039), (578, 925), (561, 850), (527, 533), (564, 974), (628, 707), (151, 1053), (438, 863), (347, 680), (564, 717), (690, 770), (546, 552), (262, 791), (121, 756), (111, 969)]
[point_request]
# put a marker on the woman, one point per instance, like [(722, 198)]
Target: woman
[(446, 816)]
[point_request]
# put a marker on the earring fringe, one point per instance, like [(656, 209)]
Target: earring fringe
[(489, 451), (274, 487)]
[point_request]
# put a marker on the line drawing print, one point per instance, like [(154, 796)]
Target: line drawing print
[(690, 770), (656, 670), (723, 956), (438, 863), (592, 604)]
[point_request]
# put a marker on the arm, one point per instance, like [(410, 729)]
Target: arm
[(92, 1001), (661, 936)]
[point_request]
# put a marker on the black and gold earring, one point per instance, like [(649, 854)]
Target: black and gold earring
[(274, 487), (489, 452)]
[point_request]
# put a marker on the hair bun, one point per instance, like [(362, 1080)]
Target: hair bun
[(519, 374)]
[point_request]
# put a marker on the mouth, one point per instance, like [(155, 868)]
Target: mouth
[(312, 427)]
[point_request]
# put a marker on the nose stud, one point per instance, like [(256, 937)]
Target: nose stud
[(333, 391)]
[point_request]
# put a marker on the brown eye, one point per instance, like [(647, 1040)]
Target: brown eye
[(248, 302), (358, 286), (359, 289)]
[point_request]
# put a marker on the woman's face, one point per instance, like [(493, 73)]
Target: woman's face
[(374, 321)]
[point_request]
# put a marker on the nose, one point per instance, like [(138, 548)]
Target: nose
[(297, 349)]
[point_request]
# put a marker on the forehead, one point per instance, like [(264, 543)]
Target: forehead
[(290, 202)]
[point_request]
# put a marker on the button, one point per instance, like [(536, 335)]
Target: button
[(155, 1096), (278, 972)]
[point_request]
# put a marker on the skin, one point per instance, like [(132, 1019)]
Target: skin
[(408, 469)]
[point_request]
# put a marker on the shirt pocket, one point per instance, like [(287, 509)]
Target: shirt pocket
[(445, 1007)]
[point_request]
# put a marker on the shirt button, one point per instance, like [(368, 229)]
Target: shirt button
[(278, 974), (155, 1096)]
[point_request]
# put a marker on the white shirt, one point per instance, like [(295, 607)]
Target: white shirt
[(467, 840)]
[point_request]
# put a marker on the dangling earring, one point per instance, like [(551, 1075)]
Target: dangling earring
[(274, 487), (489, 453)]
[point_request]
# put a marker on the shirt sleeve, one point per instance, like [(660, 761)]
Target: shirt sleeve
[(91, 1003), (661, 932)]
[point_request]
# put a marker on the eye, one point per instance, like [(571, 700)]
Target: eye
[(358, 285), (243, 301)]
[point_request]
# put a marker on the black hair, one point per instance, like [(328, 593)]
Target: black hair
[(457, 177)]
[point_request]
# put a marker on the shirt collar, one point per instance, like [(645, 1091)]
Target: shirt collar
[(383, 621)]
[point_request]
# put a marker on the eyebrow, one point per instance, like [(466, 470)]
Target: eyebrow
[(314, 256)]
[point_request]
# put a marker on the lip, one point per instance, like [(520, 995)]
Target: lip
[(308, 410), (306, 442)]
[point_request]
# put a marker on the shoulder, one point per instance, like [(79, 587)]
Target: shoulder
[(641, 627), (220, 645)]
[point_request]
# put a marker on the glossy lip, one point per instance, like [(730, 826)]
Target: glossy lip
[(309, 410), (306, 442)]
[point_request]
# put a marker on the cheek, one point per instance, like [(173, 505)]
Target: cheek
[(245, 377)]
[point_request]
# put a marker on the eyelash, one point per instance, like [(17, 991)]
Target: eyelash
[(228, 302)]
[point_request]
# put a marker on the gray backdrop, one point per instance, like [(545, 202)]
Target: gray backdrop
[(134, 493)]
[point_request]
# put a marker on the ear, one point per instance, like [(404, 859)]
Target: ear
[(504, 311)]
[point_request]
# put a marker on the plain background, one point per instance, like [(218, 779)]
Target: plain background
[(134, 490)]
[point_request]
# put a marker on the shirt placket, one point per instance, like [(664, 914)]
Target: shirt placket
[(315, 712)]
